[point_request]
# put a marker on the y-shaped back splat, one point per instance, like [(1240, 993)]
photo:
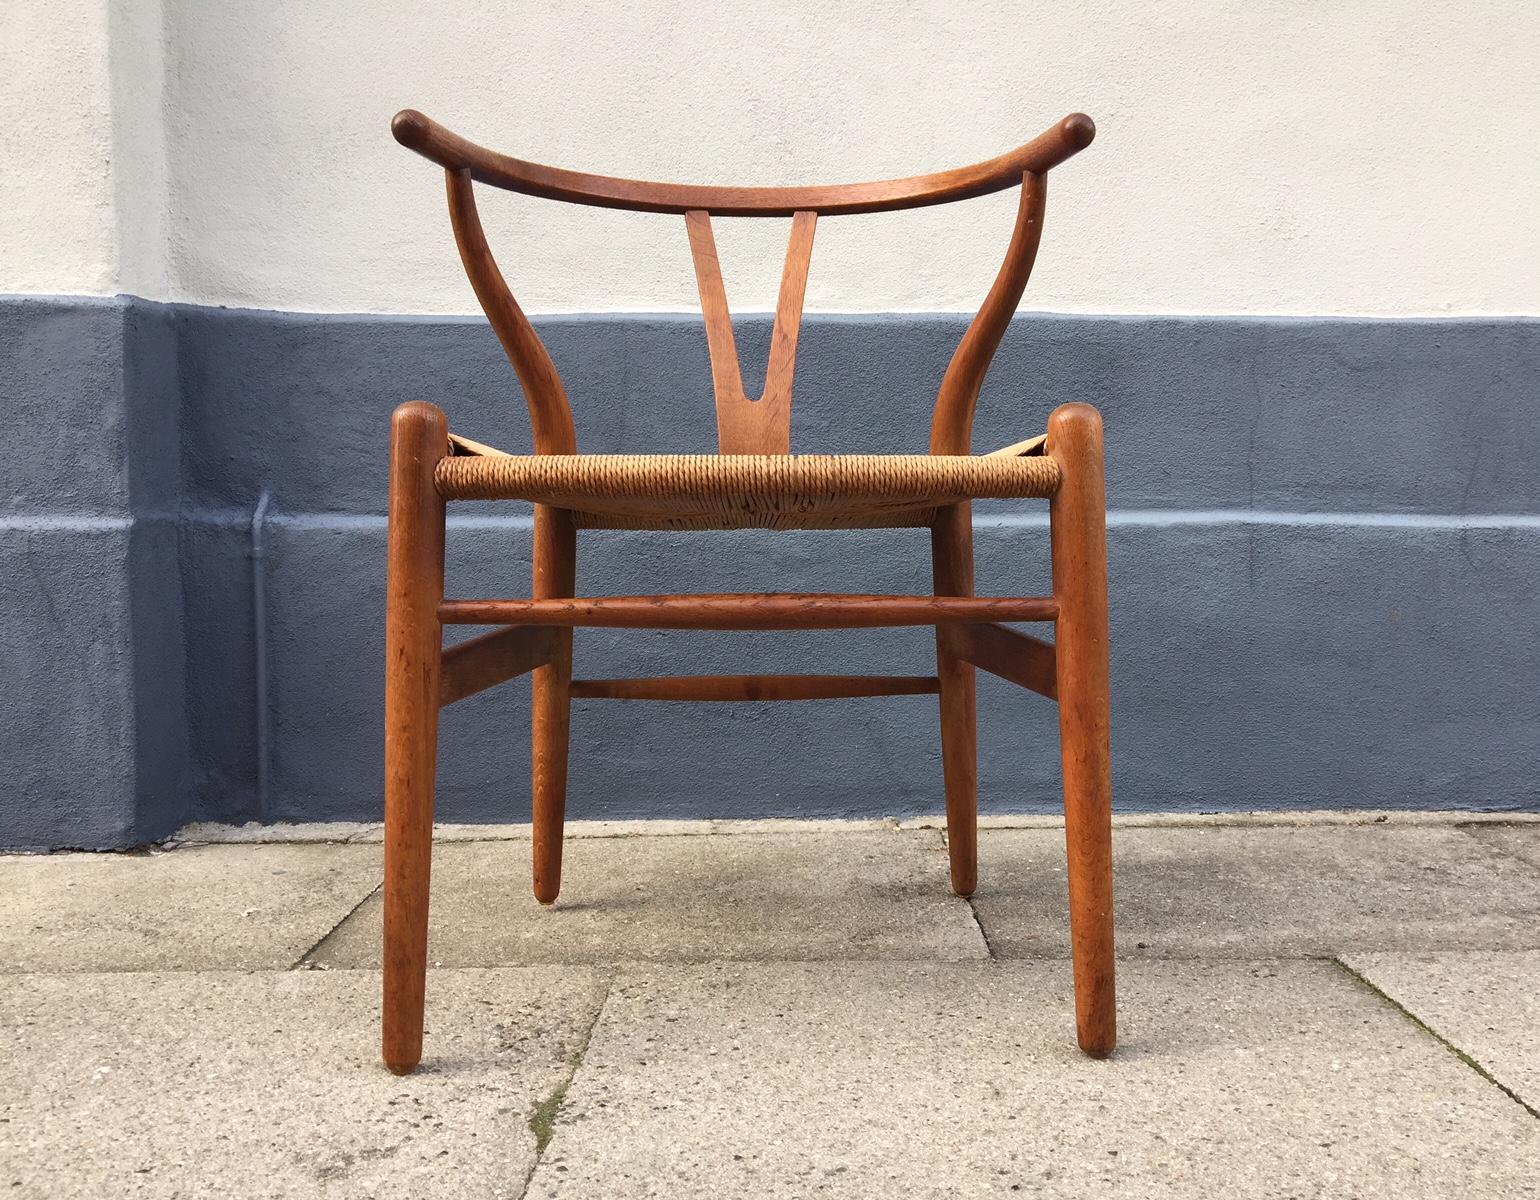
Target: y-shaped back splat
[(746, 426)]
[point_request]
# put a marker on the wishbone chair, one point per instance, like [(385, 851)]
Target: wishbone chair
[(755, 481)]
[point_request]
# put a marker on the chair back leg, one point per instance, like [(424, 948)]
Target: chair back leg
[(1078, 518), (413, 661), (555, 576), (952, 573)]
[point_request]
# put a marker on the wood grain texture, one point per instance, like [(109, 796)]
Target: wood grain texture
[(494, 658), (1078, 521), (555, 572), (455, 153), (1018, 657), (745, 425), (753, 687), (952, 575), (751, 610), (951, 430), (550, 415), (420, 676), (414, 586)]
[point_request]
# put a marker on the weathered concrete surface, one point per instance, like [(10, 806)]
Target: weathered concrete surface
[(196, 908), (797, 896), (205, 833), (1236, 1080), (1236, 1077), (1521, 841), (1260, 892), (1486, 1003), (253, 833), (269, 1085)]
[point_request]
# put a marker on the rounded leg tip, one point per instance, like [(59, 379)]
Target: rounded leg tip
[(546, 883), (1076, 412), (417, 414), (402, 1066), (964, 888), (1098, 1047)]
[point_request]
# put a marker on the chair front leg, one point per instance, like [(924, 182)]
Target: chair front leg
[(952, 573), (555, 576), (1078, 517), (413, 654)]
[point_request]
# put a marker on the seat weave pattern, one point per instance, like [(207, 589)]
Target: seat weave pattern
[(746, 491)]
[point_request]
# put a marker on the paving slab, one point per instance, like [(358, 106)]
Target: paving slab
[(1484, 1003), (1521, 841), (269, 1084), (194, 908), (853, 895), (1287, 1079), (1257, 892)]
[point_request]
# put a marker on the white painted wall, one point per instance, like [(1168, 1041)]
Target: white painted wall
[(56, 214), (1255, 156)]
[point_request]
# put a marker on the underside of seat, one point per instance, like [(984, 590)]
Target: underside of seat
[(746, 491)]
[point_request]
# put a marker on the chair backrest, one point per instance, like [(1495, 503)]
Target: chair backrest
[(744, 425)]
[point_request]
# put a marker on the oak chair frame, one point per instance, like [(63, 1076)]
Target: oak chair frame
[(536, 633)]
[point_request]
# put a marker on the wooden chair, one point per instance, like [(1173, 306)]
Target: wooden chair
[(754, 482)]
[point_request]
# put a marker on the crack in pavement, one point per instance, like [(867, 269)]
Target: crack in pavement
[(1438, 1037), (303, 962), (544, 1116)]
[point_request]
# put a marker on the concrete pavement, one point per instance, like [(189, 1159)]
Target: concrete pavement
[(1311, 1006)]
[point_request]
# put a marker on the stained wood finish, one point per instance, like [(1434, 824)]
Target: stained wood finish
[(746, 426), (420, 676), (747, 611), (494, 658), (754, 687), (951, 430), (1018, 657), (414, 586), (550, 414), (1078, 520), (555, 555), (952, 575), (455, 153)]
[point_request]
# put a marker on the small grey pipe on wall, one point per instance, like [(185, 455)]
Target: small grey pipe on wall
[(263, 723)]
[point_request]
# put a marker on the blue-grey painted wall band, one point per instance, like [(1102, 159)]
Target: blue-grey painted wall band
[(1325, 544)]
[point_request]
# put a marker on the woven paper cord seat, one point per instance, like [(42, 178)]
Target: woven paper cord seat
[(739, 491)]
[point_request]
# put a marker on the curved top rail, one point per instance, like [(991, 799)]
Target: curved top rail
[(455, 153)]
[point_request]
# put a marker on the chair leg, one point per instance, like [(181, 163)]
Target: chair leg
[(413, 648), (1078, 516), (555, 575), (952, 573)]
